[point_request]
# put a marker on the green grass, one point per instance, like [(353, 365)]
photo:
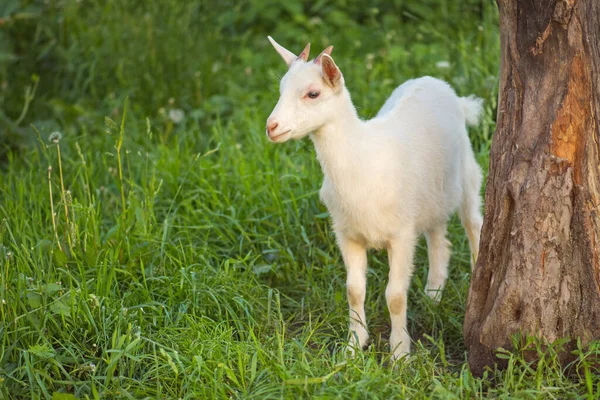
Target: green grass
[(194, 259)]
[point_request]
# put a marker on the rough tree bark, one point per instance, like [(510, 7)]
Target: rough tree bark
[(538, 271)]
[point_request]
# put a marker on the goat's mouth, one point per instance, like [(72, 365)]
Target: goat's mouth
[(278, 136)]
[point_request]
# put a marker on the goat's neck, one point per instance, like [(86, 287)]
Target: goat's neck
[(337, 142)]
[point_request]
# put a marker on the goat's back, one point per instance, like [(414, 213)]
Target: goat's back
[(428, 119)]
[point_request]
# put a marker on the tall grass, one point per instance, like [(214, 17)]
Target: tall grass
[(161, 248)]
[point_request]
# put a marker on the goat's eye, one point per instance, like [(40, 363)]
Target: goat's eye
[(313, 94)]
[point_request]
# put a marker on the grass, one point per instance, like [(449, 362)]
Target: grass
[(168, 258)]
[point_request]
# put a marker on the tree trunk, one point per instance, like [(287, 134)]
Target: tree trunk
[(538, 271)]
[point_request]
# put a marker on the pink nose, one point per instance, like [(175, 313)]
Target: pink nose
[(271, 126)]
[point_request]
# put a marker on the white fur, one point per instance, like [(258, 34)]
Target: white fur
[(387, 180)]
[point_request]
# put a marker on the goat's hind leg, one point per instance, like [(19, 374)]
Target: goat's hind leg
[(470, 214), (438, 252), (355, 258), (472, 221)]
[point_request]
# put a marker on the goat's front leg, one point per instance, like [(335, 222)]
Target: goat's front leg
[(400, 253), (355, 258)]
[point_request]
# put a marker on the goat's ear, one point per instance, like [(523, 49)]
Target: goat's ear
[(327, 51), (331, 72), (304, 55), (287, 55)]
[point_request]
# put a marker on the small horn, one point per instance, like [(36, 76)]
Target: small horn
[(327, 51), (304, 55)]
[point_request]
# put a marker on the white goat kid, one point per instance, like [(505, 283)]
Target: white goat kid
[(387, 180)]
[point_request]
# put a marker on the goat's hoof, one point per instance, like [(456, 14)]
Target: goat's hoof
[(358, 338), (350, 351), (358, 341), (400, 346), (434, 294), (400, 353)]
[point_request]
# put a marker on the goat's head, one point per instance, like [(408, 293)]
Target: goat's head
[(308, 94)]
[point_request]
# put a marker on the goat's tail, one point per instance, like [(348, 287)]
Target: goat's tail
[(472, 107)]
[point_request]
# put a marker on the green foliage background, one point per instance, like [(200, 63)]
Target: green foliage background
[(170, 251)]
